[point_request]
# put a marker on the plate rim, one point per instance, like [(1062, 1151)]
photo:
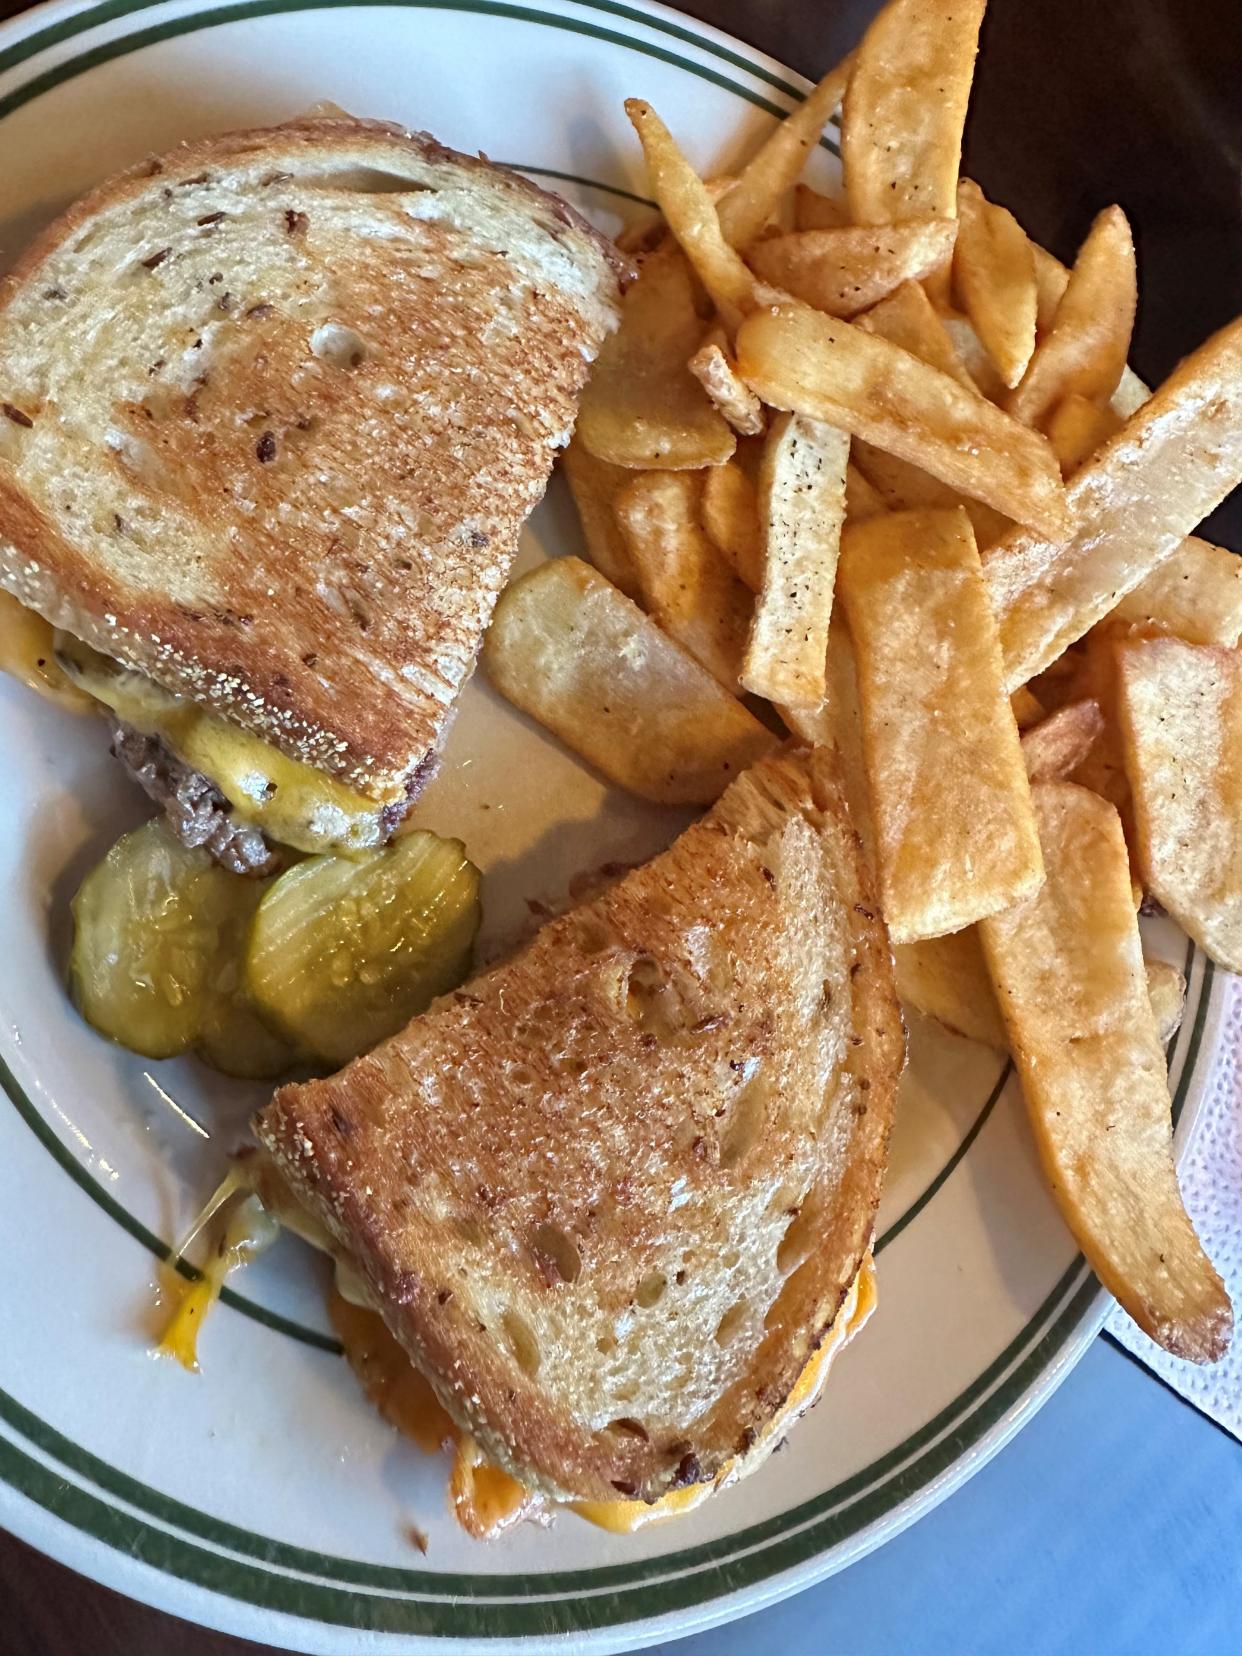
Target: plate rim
[(1074, 1310)]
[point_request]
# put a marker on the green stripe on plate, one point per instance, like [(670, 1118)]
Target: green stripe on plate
[(134, 1226), (780, 1543), (859, 1493), (173, 27)]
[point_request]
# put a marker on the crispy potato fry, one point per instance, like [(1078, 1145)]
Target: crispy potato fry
[(1086, 347), (1055, 747), (730, 513), (799, 360), (1102, 767), (686, 585), (1026, 708), (801, 509), (1068, 969), (1132, 504), (862, 499), (1077, 427), (974, 358), (906, 488), (904, 110), (837, 722), (814, 211), (691, 214), (594, 484), (1195, 595), (994, 280), (770, 172), (1166, 989), (717, 373), (955, 835), (642, 406), (843, 271), (645, 233), (1051, 281), (946, 978), (909, 319), (578, 656), (1181, 724), (1130, 395)]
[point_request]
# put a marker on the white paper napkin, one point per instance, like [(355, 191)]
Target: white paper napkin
[(1211, 1178)]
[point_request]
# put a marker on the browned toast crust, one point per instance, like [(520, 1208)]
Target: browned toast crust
[(310, 544), (611, 1195)]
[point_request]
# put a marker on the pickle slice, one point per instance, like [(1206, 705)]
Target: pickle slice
[(344, 951), (155, 925)]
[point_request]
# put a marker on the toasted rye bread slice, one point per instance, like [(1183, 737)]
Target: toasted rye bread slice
[(612, 1194), (278, 404)]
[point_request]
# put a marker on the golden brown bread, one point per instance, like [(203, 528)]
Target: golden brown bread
[(612, 1194), (277, 405)]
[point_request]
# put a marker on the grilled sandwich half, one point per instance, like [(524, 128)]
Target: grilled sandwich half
[(615, 1195), (274, 409)]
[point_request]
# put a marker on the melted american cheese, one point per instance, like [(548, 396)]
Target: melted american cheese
[(292, 803), (27, 654), (486, 1500)]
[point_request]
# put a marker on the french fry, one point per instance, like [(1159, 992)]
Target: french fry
[(906, 488), (686, 586), (946, 978), (815, 211), (578, 656), (730, 513), (1025, 707), (837, 722), (994, 280), (904, 110), (1132, 504), (1068, 969), (1054, 748), (766, 177), (1077, 427), (1085, 349), (801, 509), (955, 836), (1181, 726), (1166, 990), (687, 205), (974, 358), (1195, 595), (908, 317), (833, 371), (717, 373), (862, 499), (594, 484), (642, 406), (844, 271), (1051, 280)]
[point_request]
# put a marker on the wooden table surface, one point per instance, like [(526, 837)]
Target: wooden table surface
[(1077, 103)]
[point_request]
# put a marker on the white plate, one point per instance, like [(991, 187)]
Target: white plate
[(265, 1497)]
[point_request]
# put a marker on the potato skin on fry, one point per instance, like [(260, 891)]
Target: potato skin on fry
[(576, 654), (1180, 711), (955, 837), (1069, 974)]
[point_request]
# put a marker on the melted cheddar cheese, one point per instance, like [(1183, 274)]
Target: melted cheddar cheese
[(27, 653), (292, 803), (486, 1500)]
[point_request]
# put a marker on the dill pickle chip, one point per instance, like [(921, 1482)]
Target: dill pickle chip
[(345, 950), (154, 927)]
